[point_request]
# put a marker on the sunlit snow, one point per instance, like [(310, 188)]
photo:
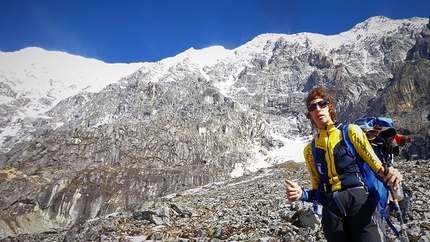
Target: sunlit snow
[(291, 151)]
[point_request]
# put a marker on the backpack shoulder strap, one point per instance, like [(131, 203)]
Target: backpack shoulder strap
[(316, 162), (347, 140), (320, 185)]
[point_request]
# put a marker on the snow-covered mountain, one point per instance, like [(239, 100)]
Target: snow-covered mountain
[(34, 80), (123, 133), (46, 77)]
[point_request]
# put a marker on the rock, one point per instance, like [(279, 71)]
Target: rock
[(304, 218), (145, 215)]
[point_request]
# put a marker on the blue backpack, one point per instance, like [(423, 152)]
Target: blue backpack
[(380, 132)]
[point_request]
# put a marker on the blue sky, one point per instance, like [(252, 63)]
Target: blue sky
[(125, 31)]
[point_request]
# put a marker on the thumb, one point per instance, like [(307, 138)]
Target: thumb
[(290, 183)]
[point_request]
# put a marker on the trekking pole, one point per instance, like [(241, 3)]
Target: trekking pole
[(403, 234)]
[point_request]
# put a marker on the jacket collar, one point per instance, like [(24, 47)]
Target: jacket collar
[(329, 127)]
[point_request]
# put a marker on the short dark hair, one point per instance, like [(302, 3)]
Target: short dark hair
[(320, 92)]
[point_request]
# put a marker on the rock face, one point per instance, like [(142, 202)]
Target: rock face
[(406, 97), (186, 122)]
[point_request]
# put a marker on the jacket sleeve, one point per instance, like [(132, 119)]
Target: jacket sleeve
[(363, 147), (309, 196), (312, 169)]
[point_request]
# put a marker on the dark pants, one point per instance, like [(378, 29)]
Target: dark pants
[(361, 221)]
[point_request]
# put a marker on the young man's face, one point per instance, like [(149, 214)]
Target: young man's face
[(319, 111)]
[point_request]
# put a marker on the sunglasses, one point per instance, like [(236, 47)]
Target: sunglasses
[(321, 104)]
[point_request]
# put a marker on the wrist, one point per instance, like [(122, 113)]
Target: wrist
[(381, 171), (304, 196)]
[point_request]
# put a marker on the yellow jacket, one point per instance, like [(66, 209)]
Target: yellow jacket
[(338, 167)]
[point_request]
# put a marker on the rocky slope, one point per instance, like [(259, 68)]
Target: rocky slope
[(250, 208), (188, 121)]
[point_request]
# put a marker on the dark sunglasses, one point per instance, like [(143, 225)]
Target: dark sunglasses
[(321, 104)]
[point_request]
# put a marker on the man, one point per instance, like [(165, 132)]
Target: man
[(348, 214)]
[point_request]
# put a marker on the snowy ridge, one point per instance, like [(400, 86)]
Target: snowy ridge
[(378, 25), (381, 25), (204, 57), (34, 73)]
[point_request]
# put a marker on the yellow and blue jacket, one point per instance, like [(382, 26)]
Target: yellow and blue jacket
[(339, 170)]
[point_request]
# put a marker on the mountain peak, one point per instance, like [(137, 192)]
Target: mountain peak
[(203, 57), (382, 25)]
